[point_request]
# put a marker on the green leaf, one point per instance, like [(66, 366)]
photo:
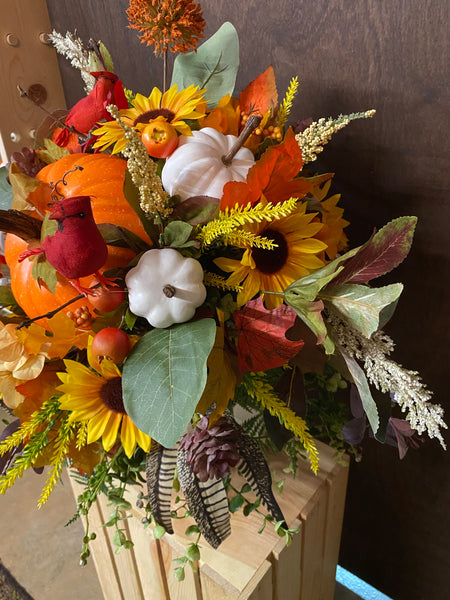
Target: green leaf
[(179, 573), (164, 377), (52, 151), (360, 380), (6, 193), (176, 234), (192, 530), (158, 532), (115, 235), (131, 193), (193, 553), (42, 270), (106, 56), (22, 186), (6, 296), (214, 66), (360, 305), (235, 503)]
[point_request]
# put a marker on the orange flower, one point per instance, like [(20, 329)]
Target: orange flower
[(168, 25)]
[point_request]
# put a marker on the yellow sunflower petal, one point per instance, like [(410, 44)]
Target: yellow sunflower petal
[(109, 436), (97, 424), (128, 436)]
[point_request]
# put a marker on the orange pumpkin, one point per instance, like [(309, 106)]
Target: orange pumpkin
[(102, 179)]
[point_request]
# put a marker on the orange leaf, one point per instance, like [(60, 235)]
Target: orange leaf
[(260, 95)]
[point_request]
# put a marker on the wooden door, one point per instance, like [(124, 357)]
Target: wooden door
[(350, 56)]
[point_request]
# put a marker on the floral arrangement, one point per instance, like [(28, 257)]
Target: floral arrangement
[(179, 299)]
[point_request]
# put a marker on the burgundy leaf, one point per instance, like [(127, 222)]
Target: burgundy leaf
[(382, 253), (262, 343)]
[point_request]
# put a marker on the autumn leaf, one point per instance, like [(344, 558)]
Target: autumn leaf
[(262, 343), (383, 252), (260, 95), (221, 382), (273, 176)]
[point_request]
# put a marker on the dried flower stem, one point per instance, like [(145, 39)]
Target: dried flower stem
[(154, 200), (406, 386)]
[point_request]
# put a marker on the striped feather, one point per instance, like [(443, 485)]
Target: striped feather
[(255, 469), (160, 471), (207, 502)]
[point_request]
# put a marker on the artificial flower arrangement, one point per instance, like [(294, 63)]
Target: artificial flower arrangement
[(179, 300)]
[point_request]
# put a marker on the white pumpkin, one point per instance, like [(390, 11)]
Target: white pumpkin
[(165, 287), (196, 168)]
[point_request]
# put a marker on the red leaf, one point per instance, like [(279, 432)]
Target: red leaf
[(262, 343), (382, 253)]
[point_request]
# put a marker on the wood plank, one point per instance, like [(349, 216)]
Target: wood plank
[(287, 566), (313, 517), (337, 486), (28, 62), (101, 549), (260, 586)]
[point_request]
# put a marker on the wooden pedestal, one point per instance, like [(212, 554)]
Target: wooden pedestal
[(248, 565)]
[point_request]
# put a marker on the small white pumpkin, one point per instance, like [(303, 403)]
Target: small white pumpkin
[(165, 287), (196, 168)]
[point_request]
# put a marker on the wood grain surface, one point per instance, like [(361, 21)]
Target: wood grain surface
[(349, 56)]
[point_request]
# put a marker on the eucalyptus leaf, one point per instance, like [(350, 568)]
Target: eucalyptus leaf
[(361, 305), (213, 66), (360, 380), (164, 377)]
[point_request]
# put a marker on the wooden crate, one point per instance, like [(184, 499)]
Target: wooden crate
[(248, 565)]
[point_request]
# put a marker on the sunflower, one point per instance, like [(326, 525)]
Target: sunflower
[(97, 398), (172, 106), (261, 270)]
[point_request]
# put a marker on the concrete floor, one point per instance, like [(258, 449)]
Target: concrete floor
[(42, 554)]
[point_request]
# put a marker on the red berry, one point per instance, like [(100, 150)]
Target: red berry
[(106, 300), (112, 343)]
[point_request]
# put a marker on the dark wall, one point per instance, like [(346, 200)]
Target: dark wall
[(350, 56)]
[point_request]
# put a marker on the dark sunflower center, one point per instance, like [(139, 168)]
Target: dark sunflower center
[(271, 261), (153, 114), (111, 395)]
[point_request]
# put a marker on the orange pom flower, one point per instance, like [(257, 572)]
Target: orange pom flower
[(167, 24)]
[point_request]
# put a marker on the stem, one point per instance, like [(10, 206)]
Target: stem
[(165, 70), (24, 94), (169, 291), (52, 313), (252, 123), (273, 293)]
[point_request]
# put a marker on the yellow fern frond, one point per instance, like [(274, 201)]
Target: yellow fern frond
[(230, 219), (82, 434), (259, 389), (213, 280), (241, 238), (286, 105), (62, 443)]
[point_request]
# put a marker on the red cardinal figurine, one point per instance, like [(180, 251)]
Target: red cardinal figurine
[(77, 248), (92, 108)]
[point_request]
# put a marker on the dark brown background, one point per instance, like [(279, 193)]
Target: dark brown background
[(350, 56)]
